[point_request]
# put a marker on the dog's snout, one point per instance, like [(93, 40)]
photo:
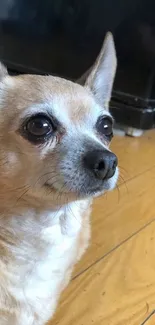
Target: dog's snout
[(102, 163)]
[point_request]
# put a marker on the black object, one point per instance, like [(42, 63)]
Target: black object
[(63, 37)]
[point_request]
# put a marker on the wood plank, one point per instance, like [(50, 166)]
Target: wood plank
[(113, 221), (136, 155), (118, 290)]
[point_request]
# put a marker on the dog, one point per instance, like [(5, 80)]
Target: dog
[(54, 159)]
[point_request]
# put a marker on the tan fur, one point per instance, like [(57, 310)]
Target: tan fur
[(44, 215)]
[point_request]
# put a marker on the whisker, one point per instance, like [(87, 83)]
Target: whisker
[(118, 192), (124, 170), (23, 194), (71, 211), (124, 183), (48, 180)]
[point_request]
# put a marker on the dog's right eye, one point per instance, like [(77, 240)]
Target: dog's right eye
[(38, 128)]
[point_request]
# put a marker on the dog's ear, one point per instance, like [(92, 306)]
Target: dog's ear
[(3, 71), (99, 79)]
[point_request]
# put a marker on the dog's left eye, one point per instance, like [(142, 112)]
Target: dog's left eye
[(105, 126), (38, 128)]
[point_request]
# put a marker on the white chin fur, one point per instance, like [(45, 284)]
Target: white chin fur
[(113, 180)]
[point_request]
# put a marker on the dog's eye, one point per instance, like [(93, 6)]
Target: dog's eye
[(38, 128), (105, 126)]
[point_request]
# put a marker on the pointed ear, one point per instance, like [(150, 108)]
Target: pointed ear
[(3, 72), (101, 76)]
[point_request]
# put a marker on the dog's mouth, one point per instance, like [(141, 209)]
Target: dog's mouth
[(75, 181), (50, 187), (94, 191), (83, 192)]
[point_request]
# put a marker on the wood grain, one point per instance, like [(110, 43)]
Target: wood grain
[(118, 290)]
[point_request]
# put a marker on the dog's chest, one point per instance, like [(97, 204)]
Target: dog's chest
[(55, 257)]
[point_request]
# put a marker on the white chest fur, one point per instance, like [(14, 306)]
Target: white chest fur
[(44, 259), (59, 241)]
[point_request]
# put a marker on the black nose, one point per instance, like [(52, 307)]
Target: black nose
[(102, 163)]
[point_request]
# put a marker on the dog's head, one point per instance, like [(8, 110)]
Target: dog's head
[(55, 134)]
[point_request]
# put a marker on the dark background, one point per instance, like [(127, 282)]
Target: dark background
[(63, 37)]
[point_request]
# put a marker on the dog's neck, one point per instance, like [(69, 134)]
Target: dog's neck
[(28, 216)]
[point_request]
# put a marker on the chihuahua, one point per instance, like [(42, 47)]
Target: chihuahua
[(54, 158)]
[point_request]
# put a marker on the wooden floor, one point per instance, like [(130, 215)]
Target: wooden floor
[(114, 284)]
